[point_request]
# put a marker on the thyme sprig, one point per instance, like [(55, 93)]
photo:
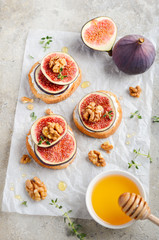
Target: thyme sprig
[(138, 153), (155, 119), (24, 203), (42, 139), (74, 227), (109, 114), (33, 116), (45, 42), (60, 76), (137, 114)]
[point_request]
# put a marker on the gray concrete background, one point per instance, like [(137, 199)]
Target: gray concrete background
[(16, 18)]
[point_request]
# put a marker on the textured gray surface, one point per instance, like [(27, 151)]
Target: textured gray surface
[(16, 18)]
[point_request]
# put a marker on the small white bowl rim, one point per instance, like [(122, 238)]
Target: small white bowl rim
[(89, 194)]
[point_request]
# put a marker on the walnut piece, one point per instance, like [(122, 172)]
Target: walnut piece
[(56, 63), (92, 112), (26, 100), (25, 159), (96, 158), (30, 106), (52, 130), (36, 189), (48, 112), (107, 146), (135, 92)]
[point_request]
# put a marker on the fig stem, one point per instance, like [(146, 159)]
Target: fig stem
[(110, 53), (141, 40)]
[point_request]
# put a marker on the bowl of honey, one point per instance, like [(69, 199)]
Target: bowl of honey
[(102, 197)]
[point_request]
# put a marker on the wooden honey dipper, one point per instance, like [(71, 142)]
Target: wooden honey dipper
[(136, 207)]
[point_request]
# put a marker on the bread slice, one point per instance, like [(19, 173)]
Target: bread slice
[(102, 134), (48, 98), (30, 149)]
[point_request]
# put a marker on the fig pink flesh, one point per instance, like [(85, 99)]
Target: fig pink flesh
[(61, 152), (99, 32), (102, 100), (46, 84), (43, 122), (70, 70)]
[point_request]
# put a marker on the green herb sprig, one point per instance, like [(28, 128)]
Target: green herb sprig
[(60, 76), (155, 119), (45, 42), (74, 227), (137, 114), (42, 139), (24, 203), (31, 57), (109, 114), (33, 116), (138, 153)]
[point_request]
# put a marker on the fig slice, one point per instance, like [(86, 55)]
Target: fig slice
[(37, 127), (108, 115), (45, 85), (70, 71), (99, 33), (59, 154)]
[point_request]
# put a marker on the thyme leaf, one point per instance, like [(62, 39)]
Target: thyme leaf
[(155, 119), (138, 153), (60, 76), (24, 203), (45, 42), (137, 114), (109, 114), (33, 117), (74, 227)]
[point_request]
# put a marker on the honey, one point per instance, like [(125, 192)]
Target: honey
[(85, 84), (64, 50), (105, 198), (62, 186)]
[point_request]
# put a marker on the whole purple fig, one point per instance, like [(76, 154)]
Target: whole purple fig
[(134, 54)]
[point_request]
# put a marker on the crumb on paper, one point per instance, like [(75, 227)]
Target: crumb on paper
[(49, 112), (27, 100), (127, 143), (25, 159)]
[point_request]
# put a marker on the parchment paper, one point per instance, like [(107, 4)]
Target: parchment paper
[(99, 69)]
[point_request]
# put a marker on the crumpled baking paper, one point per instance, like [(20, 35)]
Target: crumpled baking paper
[(97, 68)]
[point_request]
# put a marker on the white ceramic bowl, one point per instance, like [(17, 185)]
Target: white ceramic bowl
[(89, 196)]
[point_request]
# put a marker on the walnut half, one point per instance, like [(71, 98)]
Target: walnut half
[(92, 112), (107, 146), (36, 189), (135, 92), (56, 63), (52, 131), (96, 158)]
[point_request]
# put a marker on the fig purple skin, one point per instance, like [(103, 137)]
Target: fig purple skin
[(133, 54)]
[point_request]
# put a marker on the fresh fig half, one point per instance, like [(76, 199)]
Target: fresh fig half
[(133, 54), (99, 33), (108, 114), (68, 74), (36, 130), (45, 85), (59, 154)]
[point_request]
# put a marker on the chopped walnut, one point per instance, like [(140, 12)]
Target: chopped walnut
[(25, 159), (56, 63), (48, 112), (107, 146), (52, 130), (36, 189), (92, 112), (30, 106), (26, 100), (96, 158), (135, 92)]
